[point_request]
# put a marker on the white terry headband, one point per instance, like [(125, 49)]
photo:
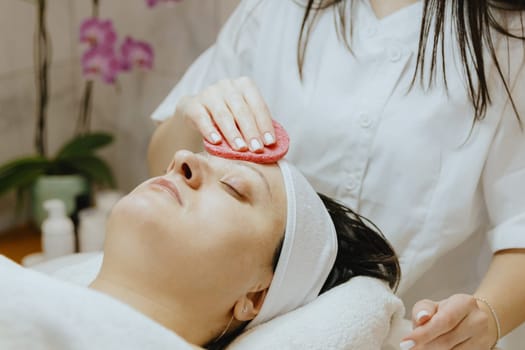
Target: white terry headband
[(308, 252)]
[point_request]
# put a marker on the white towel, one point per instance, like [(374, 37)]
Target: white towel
[(362, 314), (42, 313)]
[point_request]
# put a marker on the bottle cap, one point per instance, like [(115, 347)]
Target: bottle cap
[(105, 200), (55, 208)]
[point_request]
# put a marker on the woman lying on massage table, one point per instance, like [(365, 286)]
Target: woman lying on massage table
[(217, 245)]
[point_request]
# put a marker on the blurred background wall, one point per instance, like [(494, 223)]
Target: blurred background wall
[(178, 34)]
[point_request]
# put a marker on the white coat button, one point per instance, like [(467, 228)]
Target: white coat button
[(394, 54), (365, 120), (351, 184)]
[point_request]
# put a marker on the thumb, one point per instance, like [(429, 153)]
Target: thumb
[(423, 311)]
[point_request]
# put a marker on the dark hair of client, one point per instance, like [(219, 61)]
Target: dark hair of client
[(362, 251)]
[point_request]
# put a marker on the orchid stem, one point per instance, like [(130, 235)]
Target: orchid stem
[(42, 57), (84, 117)]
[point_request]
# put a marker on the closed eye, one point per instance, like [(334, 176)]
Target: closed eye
[(233, 191)]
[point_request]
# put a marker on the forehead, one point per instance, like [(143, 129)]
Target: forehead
[(270, 171)]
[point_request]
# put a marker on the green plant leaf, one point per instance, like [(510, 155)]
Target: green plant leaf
[(84, 145), (21, 172), (23, 161), (94, 168)]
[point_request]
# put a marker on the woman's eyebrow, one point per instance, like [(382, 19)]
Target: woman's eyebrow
[(260, 174)]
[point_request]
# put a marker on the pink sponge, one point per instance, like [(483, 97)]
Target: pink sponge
[(269, 154)]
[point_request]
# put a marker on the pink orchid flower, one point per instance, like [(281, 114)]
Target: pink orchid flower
[(97, 32), (153, 3), (136, 53), (100, 62)]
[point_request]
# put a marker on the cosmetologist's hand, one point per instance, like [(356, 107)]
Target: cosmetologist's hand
[(459, 322), (233, 108)]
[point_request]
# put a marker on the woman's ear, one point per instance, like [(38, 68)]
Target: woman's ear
[(249, 305)]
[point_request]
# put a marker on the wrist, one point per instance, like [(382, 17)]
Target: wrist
[(494, 330)]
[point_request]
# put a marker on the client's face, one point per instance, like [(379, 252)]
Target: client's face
[(210, 225)]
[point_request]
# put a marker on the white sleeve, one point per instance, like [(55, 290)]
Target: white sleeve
[(230, 57), (503, 178)]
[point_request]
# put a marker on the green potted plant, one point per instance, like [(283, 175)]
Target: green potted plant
[(70, 173), (75, 168), (67, 175)]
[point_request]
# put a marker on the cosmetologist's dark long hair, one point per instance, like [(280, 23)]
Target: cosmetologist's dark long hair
[(362, 251), (474, 22)]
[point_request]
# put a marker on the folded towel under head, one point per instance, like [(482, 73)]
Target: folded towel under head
[(360, 314)]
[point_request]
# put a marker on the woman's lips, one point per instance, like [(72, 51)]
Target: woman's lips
[(169, 187)]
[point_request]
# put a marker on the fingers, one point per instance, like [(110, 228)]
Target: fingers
[(423, 311), (467, 335), (243, 115), (456, 322), (446, 341), (233, 109), (224, 120), (446, 318), (195, 113), (258, 106)]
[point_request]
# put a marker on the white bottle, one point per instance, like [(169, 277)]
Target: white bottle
[(58, 236), (91, 230), (92, 221)]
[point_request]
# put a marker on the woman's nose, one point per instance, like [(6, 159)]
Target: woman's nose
[(190, 166)]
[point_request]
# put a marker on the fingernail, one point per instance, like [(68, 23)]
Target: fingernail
[(421, 314), (255, 144), (215, 137), (268, 138), (407, 344), (239, 143)]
